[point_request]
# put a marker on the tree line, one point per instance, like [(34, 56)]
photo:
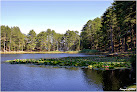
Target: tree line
[(13, 40), (114, 31)]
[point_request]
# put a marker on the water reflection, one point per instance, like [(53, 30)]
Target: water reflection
[(116, 79), (93, 77), (110, 80), (89, 80)]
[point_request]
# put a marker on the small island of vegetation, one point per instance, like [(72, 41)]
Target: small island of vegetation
[(96, 62)]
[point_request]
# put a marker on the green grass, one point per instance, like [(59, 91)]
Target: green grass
[(91, 62)]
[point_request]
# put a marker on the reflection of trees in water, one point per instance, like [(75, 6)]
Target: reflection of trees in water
[(115, 79), (110, 79), (93, 77)]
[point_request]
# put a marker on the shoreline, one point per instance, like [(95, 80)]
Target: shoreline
[(35, 52), (121, 54)]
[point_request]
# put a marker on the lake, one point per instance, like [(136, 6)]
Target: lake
[(23, 77)]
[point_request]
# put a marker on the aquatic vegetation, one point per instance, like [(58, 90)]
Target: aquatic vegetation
[(90, 62)]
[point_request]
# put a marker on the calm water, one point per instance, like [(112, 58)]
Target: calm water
[(21, 77)]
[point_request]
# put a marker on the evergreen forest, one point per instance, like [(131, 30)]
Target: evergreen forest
[(114, 31)]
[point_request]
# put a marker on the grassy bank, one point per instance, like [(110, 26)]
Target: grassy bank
[(96, 52), (86, 51), (90, 62), (33, 52)]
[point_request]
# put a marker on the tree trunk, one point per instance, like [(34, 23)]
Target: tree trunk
[(10, 44), (10, 41), (122, 44), (57, 46), (126, 42), (9, 48), (112, 43), (6, 48), (79, 44), (13, 48), (119, 39), (119, 45), (133, 39), (22, 47), (48, 47), (110, 47), (132, 46), (54, 46), (19, 46), (4, 44)]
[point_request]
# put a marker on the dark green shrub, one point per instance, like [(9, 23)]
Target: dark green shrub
[(89, 51)]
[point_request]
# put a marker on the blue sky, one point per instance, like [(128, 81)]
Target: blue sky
[(56, 15)]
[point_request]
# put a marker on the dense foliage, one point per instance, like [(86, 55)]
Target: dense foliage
[(115, 31), (13, 40)]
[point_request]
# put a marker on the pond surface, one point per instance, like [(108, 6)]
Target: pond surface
[(21, 77)]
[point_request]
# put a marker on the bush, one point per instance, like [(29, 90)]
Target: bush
[(89, 51)]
